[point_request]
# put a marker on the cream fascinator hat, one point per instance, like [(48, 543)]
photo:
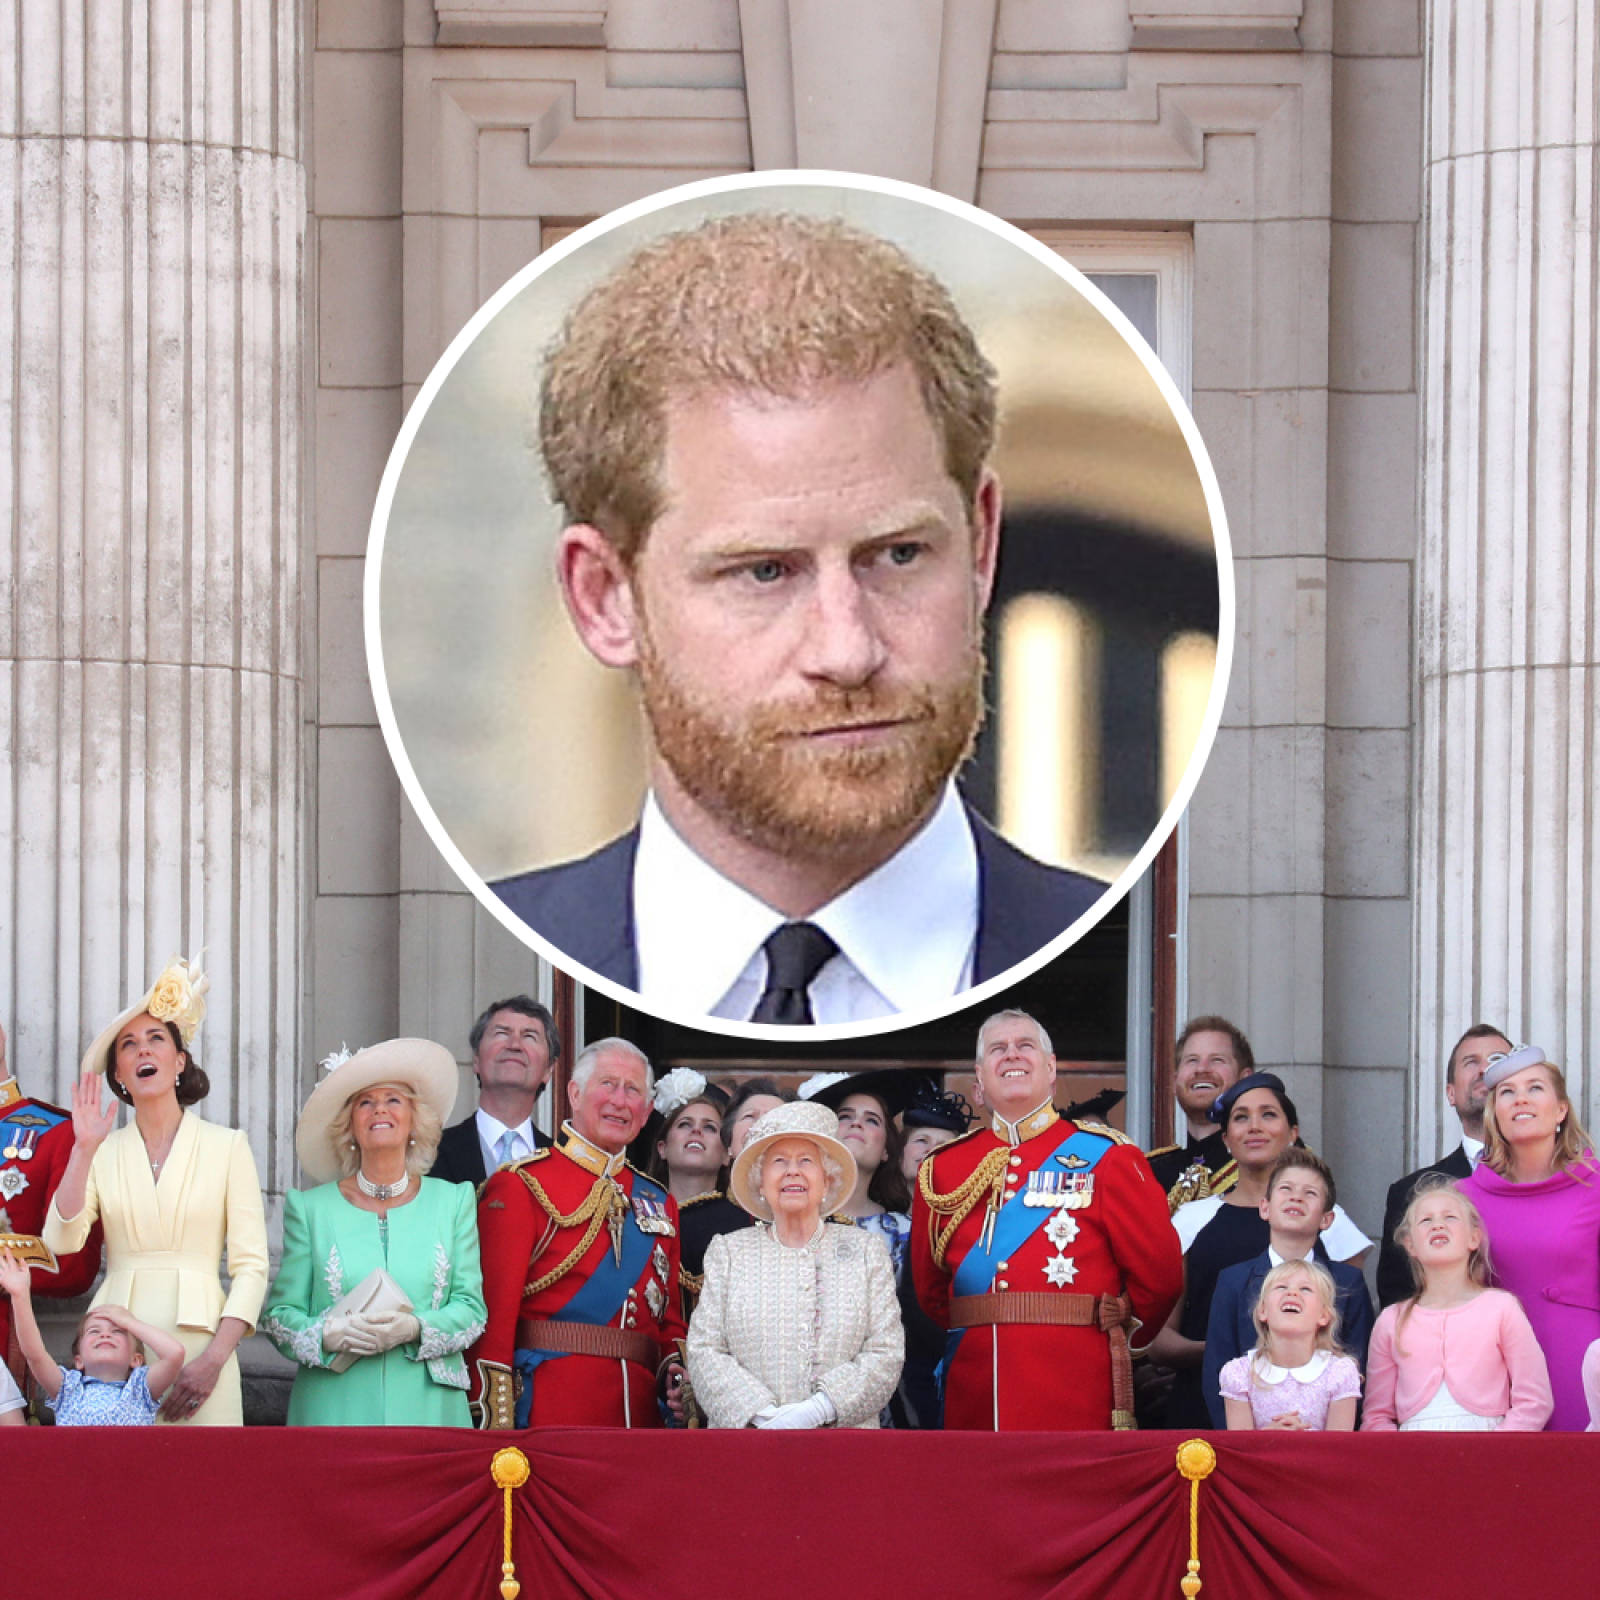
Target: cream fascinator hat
[(177, 996), (427, 1069), (799, 1119)]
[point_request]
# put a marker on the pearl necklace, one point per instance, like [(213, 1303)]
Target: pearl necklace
[(382, 1191)]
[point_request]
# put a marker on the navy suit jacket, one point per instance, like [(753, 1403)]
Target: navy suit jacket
[(460, 1157), (1232, 1332), (585, 908)]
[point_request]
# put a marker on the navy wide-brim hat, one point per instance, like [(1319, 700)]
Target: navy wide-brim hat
[(933, 1107), (1223, 1105)]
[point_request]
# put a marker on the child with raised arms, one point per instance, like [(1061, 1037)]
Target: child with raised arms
[(108, 1381), (1297, 1376), (1457, 1356)]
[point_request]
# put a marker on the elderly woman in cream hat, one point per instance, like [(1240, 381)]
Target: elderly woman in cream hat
[(379, 1292), (797, 1325), (173, 1192)]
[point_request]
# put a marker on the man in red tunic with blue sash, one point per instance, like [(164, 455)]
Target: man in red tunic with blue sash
[(1042, 1245), (35, 1146), (580, 1267)]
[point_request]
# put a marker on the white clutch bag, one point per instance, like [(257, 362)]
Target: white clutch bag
[(376, 1292)]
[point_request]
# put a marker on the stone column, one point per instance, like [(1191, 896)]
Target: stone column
[(1508, 730), (150, 651), (905, 100)]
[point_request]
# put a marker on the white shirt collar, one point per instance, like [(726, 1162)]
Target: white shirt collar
[(719, 969), (1278, 1261), (1266, 1372), (491, 1130), (1473, 1148)]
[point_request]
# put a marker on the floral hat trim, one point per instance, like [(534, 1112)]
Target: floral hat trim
[(678, 1088), (178, 996)]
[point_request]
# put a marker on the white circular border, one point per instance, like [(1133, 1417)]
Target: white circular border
[(782, 180)]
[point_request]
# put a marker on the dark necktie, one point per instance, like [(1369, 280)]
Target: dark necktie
[(795, 953)]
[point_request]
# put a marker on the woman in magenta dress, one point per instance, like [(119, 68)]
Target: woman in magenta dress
[(1538, 1187)]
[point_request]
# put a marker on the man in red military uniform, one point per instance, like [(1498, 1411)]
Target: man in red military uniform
[(1040, 1244), (580, 1267), (35, 1146)]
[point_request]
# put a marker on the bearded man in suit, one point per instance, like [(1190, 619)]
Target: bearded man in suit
[(771, 435)]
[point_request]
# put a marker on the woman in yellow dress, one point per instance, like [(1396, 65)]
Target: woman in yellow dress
[(173, 1191)]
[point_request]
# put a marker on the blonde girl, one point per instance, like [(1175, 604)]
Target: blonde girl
[(1297, 1376), (1457, 1356)]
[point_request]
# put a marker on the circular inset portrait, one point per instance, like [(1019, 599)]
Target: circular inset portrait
[(799, 599)]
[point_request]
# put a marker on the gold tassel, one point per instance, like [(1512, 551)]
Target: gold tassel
[(1196, 1460), (510, 1470)]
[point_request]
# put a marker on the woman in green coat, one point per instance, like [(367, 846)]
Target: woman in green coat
[(379, 1293)]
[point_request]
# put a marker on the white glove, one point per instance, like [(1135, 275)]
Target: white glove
[(817, 1412), (349, 1336), (390, 1329)]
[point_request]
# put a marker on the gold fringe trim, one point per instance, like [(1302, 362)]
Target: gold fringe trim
[(987, 1181), (604, 1204)]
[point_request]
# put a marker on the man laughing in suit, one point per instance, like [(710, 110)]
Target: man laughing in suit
[(771, 437)]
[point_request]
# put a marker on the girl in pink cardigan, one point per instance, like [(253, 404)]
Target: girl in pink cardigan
[(1457, 1356)]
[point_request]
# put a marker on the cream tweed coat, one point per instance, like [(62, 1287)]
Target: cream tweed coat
[(775, 1325)]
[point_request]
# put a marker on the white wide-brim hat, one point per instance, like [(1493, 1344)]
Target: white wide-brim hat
[(799, 1119), (427, 1069), (177, 996)]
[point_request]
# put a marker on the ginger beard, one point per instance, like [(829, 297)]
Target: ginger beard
[(766, 781)]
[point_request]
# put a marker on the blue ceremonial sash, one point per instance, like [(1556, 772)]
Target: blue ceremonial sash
[(30, 1114), (1013, 1227), (599, 1298)]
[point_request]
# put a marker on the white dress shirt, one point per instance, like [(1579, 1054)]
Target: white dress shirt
[(1473, 1148), (906, 932), (491, 1130)]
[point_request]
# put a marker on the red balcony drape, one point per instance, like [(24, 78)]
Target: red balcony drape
[(398, 1514)]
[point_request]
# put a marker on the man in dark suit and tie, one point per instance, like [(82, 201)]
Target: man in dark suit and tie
[(771, 436), (514, 1042), (1463, 1088)]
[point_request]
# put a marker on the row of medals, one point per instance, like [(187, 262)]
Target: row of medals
[(18, 1147)]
